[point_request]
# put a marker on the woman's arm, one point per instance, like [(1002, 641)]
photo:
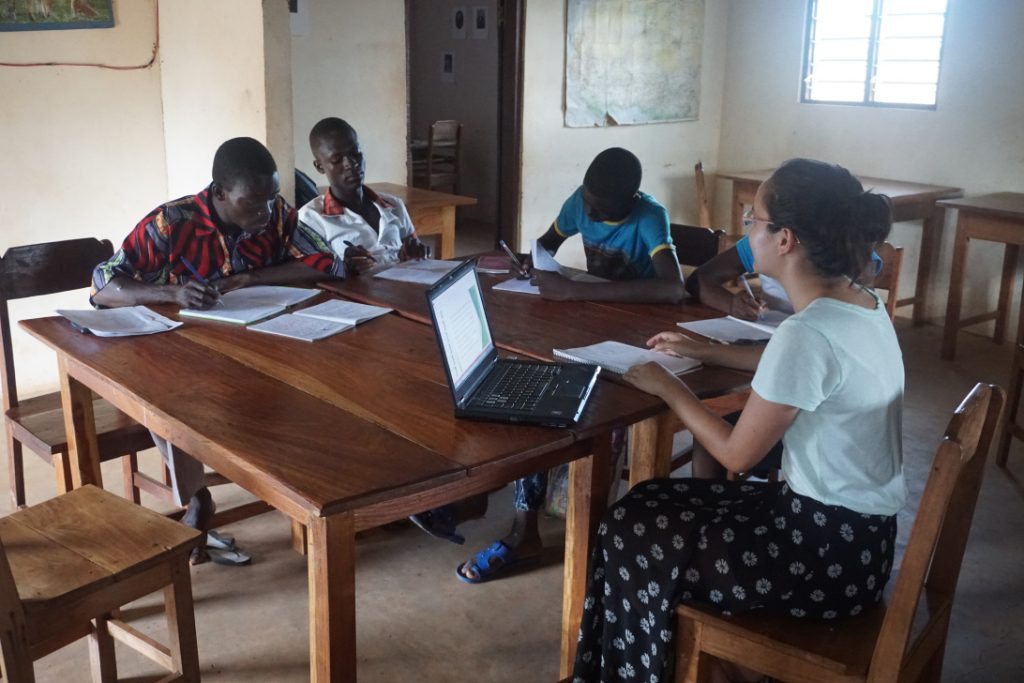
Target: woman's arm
[(724, 355)]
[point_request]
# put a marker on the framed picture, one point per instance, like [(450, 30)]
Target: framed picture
[(459, 20), (480, 23), (48, 15), (447, 67)]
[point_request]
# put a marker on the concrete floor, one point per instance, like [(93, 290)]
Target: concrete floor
[(416, 621)]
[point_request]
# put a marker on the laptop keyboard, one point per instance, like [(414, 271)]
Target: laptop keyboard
[(515, 385)]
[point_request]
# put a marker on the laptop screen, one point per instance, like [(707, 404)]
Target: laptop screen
[(461, 325)]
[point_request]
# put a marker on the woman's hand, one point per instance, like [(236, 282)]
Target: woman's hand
[(676, 344), (652, 378)]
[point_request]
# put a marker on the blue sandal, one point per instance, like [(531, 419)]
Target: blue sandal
[(492, 562)]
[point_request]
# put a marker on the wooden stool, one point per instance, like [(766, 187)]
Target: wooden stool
[(997, 218), (69, 564)]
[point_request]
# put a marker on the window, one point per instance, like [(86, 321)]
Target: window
[(874, 52)]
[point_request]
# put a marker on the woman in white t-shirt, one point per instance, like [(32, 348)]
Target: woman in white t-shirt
[(830, 385)]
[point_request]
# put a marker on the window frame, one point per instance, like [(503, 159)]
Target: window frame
[(872, 63)]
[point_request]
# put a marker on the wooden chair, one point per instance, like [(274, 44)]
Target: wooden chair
[(1011, 425), (69, 564), (703, 205), (901, 640), (440, 167), (889, 277), (38, 423)]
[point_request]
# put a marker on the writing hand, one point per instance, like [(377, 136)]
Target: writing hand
[(745, 307), (553, 286), (358, 260), (194, 294)]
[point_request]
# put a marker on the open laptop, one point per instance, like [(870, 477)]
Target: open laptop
[(485, 387)]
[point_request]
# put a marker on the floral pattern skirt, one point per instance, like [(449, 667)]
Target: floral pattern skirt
[(737, 546)]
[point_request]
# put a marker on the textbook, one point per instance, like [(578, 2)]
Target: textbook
[(729, 329), (301, 327), (618, 357), (119, 322), (339, 311), (251, 304)]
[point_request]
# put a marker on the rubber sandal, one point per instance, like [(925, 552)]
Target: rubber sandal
[(216, 539), (439, 523), (232, 557), (493, 561)]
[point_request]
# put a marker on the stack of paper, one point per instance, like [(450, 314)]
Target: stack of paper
[(730, 329), (250, 304), (119, 322), (322, 320), (618, 357), (543, 260), (424, 272)]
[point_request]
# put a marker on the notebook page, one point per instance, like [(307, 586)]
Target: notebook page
[(619, 357), (119, 322), (341, 311), (301, 327)]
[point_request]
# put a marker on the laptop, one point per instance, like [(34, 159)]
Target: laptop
[(485, 387)]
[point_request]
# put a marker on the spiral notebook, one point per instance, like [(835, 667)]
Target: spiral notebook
[(618, 357)]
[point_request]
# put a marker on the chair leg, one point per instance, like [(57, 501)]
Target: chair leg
[(181, 622), (62, 471), (16, 471), (691, 665), (129, 466), (101, 652), (932, 672)]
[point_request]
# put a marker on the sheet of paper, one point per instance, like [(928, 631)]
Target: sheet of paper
[(426, 271), (518, 286), (342, 311), (119, 322), (542, 258), (619, 357), (726, 329), (301, 327)]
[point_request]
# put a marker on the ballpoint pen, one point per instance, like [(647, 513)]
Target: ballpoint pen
[(746, 286), (367, 255), (523, 273), (199, 278)]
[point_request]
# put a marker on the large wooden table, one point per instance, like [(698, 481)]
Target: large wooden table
[(344, 434), (432, 213), (910, 202), (995, 217)]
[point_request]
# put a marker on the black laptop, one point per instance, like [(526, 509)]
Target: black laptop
[(485, 387)]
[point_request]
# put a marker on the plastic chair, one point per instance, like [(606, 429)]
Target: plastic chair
[(69, 564), (37, 423), (900, 640)]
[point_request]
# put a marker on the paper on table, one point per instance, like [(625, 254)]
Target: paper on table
[(524, 287), (619, 357), (425, 271), (301, 327), (250, 304), (337, 310), (119, 322), (542, 258)]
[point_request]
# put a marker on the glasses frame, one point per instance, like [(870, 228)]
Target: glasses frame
[(748, 220)]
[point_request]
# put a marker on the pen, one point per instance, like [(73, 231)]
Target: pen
[(746, 286), (199, 278), (347, 243), (512, 257)]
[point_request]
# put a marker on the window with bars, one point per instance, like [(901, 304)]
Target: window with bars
[(873, 52)]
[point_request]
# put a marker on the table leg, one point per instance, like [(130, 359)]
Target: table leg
[(931, 227), (446, 240), (80, 425), (956, 291), (589, 483), (332, 598), (1005, 291), (650, 448)]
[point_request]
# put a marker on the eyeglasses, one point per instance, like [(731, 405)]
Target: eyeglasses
[(749, 220)]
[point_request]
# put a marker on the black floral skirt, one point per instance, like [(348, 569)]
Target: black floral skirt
[(737, 546)]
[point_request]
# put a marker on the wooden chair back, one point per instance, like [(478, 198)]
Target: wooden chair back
[(695, 245), (888, 278), (703, 205), (443, 154), (38, 269)]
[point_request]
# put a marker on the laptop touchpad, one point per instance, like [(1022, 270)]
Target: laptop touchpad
[(569, 389)]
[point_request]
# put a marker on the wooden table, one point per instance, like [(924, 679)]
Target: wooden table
[(335, 439), (910, 202), (995, 217), (432, 213)]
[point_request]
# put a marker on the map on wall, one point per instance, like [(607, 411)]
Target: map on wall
[(632, 61)]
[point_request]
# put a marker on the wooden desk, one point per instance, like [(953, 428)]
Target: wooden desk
[(910, 202), (432, 213), (334, 438), (997, 218)]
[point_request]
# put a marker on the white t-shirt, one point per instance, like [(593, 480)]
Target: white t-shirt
[(841, 365), (336, 224)]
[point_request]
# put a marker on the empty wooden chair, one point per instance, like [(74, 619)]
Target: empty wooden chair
[(888, 278), (38, 423), (69, 564), (900, 640), (439, 169), (703, 205)]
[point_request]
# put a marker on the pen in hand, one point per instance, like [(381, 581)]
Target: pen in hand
[(746, 286), (365, 254), (523, 272), (200, 279)]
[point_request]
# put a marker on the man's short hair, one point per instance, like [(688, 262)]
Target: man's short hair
[(242, 160), (614, 175), (328, 127)]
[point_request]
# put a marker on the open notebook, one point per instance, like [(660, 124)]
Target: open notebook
[(251, 304), (618, 357), (320, 321), (730, 329)]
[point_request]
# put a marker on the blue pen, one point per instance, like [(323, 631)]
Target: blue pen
[(195, 273)]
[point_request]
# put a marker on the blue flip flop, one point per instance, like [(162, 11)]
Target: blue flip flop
[(493, 561)]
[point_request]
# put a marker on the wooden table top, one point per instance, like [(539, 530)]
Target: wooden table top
[(1007, 204), (419, 198), (897, 190)]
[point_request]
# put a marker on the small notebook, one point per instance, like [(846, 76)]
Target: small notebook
[(618, 357), (252, 304), (348, 312), (301, 327), (119, 322), (730, 329)]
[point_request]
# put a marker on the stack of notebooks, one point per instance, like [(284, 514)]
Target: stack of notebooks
[(617, 357)]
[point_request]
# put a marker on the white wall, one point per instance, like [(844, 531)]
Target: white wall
[(352, 65), (974, 139), (555, 158), (82, 149), (472, 99)]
